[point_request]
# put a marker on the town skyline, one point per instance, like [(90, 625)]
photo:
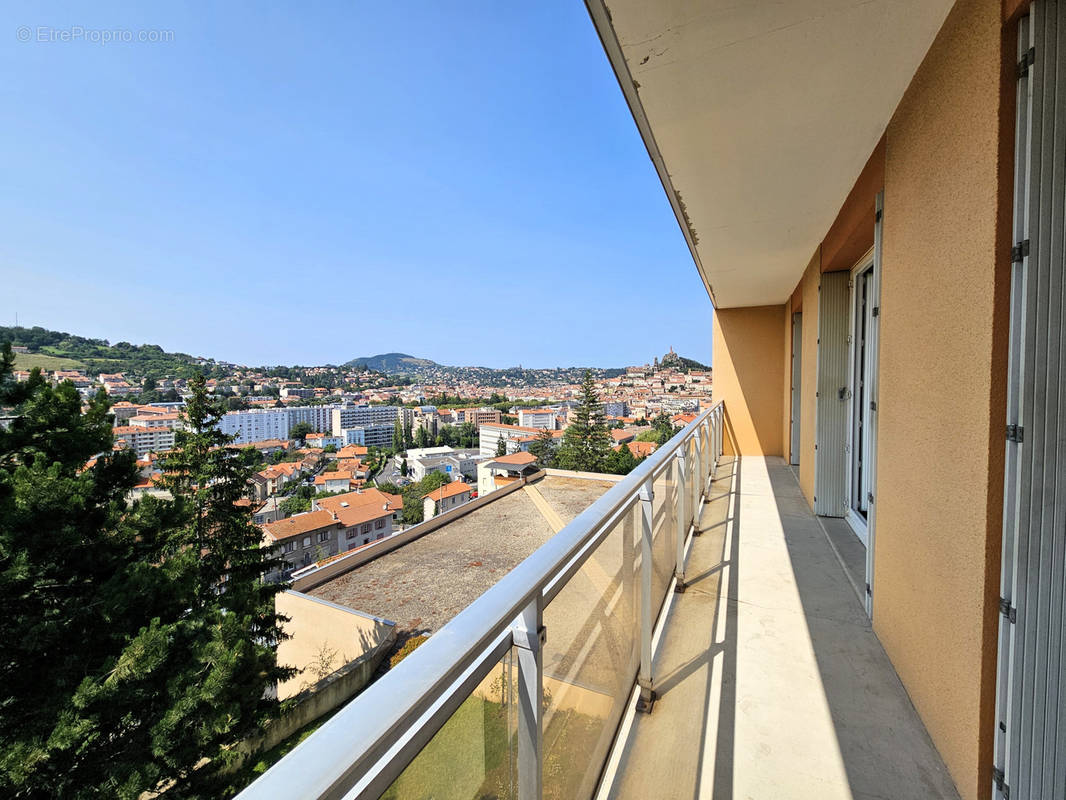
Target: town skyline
[(112, 340)]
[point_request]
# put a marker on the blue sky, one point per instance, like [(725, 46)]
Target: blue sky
[(336, 180)]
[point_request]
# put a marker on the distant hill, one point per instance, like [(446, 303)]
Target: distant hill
[(52, 350), (672, 359), (393, 363)]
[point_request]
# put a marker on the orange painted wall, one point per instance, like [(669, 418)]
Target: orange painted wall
[(852, 232), (808, 406), (942, 369), (749, 349)]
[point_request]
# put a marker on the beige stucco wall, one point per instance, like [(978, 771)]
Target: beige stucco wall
[(938, 478), (809, 383), (319, 632), (748, 351)]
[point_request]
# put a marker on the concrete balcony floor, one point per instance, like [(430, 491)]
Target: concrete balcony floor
[(770, 679)]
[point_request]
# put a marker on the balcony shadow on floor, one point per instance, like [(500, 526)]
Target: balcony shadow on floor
[(771, 682)]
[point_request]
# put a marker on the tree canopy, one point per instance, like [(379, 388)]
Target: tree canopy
[(587, 443), (139, 639)]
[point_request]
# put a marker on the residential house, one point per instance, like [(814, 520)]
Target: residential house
[(449, 496)]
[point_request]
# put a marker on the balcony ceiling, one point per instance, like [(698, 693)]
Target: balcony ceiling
[(759, 116)]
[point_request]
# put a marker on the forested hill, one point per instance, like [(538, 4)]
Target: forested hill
[(393, 363), (57, 350)]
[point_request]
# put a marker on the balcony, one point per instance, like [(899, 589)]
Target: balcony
[(691, 634)]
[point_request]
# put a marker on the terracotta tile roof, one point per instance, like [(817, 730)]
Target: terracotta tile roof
[(452, 489), (510, 427), (364, 497), (519, 459), (340, 475), (300, 524), (642, 449)]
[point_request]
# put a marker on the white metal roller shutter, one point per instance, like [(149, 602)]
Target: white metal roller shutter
[(1030, 752), (831, 422)]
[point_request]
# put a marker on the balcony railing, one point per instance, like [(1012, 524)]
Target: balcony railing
[(521, 694)]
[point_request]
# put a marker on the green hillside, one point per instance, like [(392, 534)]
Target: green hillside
[(392, 363), (52, 350)]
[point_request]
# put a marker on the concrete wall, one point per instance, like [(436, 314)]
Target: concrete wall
[(323, 637), (748, 350), (939, 468), (321, 698)]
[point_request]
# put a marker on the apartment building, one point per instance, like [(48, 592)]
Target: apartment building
[(319, 417), (256, 424), (379, 435), (170, 420), (352, 416), (143, 440), (489, 436), (540, 418), (478, 416)]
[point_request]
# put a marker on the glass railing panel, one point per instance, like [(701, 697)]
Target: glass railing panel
[(474, 756), (692, 480), (663, 540), (590, 660)]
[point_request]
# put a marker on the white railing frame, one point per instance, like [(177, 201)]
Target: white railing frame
[(358, 753)]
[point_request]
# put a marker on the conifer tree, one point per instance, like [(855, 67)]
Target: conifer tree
[(501, 447), (65, 580), (586, 442), (139, 638), (544, 449)]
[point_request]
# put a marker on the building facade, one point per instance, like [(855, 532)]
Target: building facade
[(895, 327)]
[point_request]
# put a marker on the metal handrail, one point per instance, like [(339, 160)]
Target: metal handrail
[(385, 726)]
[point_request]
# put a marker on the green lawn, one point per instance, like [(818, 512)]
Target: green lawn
[(45, 362)]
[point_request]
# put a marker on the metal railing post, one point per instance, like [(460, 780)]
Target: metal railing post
[(682, 523), (528, 636), (708, 437), (719, 418), (647, 694), (697, 465)]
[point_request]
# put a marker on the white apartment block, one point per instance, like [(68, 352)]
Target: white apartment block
[(144, 440), (489, 437), (540, 418), (379, 435), (256, 425), (260, 424), (349, 416), (320, 418)]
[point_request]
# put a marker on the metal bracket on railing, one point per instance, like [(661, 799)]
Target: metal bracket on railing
[(528, 634), (528, 640)]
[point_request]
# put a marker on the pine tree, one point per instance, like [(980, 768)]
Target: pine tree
[(150, 620), (501, 447), (587, 442), (68, 583), (544, 448), (224, 649)]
